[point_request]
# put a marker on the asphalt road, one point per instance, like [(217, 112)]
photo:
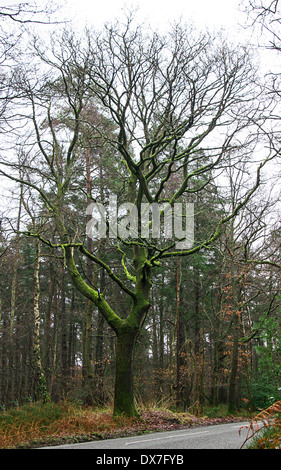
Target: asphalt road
[(222, 436)]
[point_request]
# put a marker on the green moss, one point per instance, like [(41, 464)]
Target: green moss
[(42, 390), (127, 330), (111, 317)]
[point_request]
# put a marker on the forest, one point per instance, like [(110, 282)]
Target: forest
[(181, 118)]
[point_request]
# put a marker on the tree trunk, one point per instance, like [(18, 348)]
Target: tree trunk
[(98, 368), (197, 339), (63, 323), (87, 372), (15, 269), (155, 356), (172, 339), (179, 335), (47, 352), (160, 388), (99, 352), (232, 392), (124, 392), (54, 358), (126, 330), (40, 382), (71, 337)]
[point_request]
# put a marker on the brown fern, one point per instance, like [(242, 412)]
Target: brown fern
[(266, 418)]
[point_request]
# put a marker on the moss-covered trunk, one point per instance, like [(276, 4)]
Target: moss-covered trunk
[(127, 330), (124, 388)]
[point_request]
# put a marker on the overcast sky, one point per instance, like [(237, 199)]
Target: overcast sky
[(210, 13)]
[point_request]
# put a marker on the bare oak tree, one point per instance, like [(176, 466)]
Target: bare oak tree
[(180, 104)]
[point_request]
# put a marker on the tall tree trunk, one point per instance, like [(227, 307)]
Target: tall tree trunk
[(98, 368), (63, 324), (155, 362), (232, 390), (198, 339), (155, 356), (5, 373), (12, 375), (54, 363), (161, 347), (15, 268), (40, 382), (87, 371), (47, 351), (71, 338), (172, 340), (179, 333)]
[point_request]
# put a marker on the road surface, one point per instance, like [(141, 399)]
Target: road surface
[(222, 436)]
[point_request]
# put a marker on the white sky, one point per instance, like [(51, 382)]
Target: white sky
[(210, 13)]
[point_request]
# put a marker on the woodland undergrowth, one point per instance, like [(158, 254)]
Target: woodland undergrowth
[(38, 425)]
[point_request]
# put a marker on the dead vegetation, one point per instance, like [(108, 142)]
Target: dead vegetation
[(38, 425)]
